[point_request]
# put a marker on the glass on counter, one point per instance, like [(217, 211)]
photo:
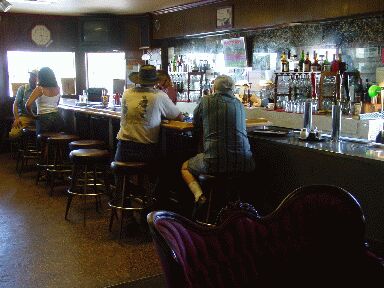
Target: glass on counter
[(105, 100), (84, 97)]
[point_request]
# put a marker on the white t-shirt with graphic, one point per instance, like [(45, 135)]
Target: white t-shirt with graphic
[(141, 112)]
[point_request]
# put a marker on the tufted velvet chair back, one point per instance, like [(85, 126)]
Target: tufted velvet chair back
[(315, 238)]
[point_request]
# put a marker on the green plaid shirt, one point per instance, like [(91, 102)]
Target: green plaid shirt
[(21, 98), (226, 147)]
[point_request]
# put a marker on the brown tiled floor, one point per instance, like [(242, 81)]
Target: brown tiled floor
[(38, 248)]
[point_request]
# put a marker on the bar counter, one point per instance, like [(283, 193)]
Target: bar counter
[(282, 164), (359, 149), (286, 163)]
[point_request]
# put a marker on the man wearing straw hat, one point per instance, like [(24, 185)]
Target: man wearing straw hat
[(141, 112)]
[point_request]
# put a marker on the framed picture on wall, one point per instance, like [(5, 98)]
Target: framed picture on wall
[(224, 17)]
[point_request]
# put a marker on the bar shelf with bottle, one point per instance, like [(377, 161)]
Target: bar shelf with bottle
[(179, 79), (195, 86), (294, 87)]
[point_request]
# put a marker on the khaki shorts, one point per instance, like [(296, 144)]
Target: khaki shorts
[(26, 121)]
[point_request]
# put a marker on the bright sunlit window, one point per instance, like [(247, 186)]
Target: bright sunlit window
[(21, 62), (103, 68)]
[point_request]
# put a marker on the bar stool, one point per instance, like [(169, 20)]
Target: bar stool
[(128, 196), (87, 144), (219, 189), (43, 161), (58, 161), (27, 149), (85, 176)]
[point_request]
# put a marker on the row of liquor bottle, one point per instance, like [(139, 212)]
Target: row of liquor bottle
[(304, 64), (179, 64)]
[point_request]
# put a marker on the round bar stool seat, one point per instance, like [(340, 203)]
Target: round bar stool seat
[(57, 157), (129, 168), (62, 138), (89, 156), (219, 190), (86, 144), (128, 196), (89, 176), (43, 137)]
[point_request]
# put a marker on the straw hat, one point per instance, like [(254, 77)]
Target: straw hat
[(147, 75)]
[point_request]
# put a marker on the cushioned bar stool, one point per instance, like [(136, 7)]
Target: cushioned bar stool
[(86, 144), (27, 149), (58, 160), (218, 189), (43, 161), (128, 197), (86, 181)]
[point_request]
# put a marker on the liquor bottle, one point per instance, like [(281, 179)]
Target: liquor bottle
[(315, 65), (174, 64), (366, 100), (178, 64), (301, 62), (326, 61), (295, 64), (334, 64), (307, 63), (181, 63), (342, 65), (249, 98), (289, 60), (284, 63), (326, 64), (354, 98), (359, 91), (245, 99)]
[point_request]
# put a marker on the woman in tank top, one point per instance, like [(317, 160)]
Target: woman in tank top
[(47, 96)]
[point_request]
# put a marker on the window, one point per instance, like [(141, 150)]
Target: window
[(102, 68), (21, 62)]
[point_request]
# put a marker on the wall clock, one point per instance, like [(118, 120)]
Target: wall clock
[(41, 35)]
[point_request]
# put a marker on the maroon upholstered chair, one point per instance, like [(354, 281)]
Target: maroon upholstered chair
[(315, 238)]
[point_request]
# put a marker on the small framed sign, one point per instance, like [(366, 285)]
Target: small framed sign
[(224, 17)]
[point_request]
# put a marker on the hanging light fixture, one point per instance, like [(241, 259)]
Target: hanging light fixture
[(146, 55), (5, 5)]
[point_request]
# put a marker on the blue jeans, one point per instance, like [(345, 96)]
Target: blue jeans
[(129, 151)]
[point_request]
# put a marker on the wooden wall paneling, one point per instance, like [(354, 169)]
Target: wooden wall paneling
[(145, 31), (64, 32), (187, 22), (3, 60), (253, 14), (256, 13), (5, 101), (131, 39)]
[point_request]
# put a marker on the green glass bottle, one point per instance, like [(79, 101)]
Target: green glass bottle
[(301, 61)]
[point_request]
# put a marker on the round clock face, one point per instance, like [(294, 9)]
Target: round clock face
[(40, 35)]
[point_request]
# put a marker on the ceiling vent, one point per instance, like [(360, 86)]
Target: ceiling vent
[(186, 6)]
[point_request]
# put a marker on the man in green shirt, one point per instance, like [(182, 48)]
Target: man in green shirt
[(22, 118)]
